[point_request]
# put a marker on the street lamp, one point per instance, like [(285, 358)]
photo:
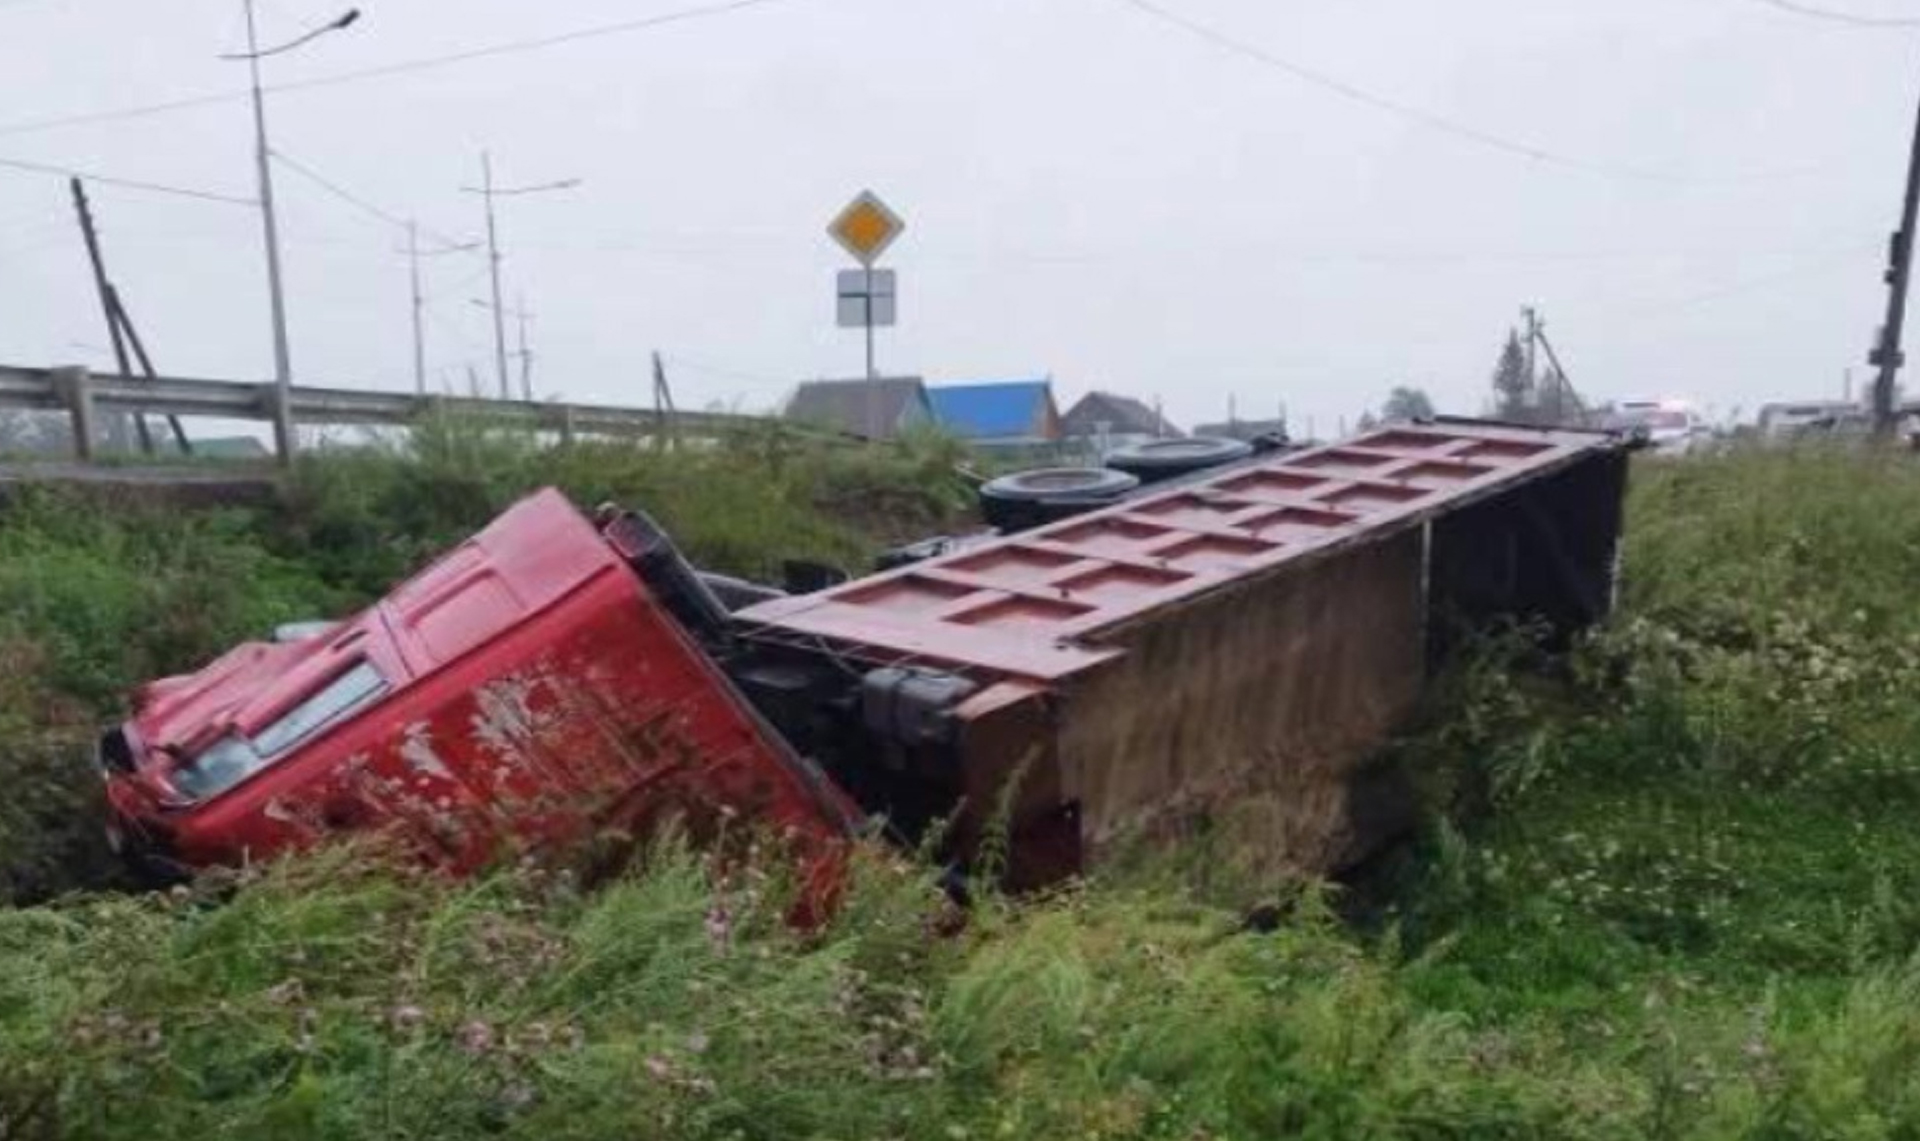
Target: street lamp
[(282, 354), (488, 191)]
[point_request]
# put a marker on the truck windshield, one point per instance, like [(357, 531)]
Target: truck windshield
[(234, 758)]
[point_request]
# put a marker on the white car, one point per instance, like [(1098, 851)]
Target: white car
[(1670, 427)]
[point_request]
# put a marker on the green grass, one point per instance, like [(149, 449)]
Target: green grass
[(1668, 889), (105, 590)]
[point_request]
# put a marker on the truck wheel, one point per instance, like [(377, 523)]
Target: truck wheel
[(1156, 460), (1045, 495)]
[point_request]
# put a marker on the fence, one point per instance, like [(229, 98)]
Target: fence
[(83, 395)]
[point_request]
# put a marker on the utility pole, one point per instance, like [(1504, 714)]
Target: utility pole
[(414, 255), (488, 191), (521, 317), (263, 162), (146, 364), (666, 417), (1887, 356), (105, 290), (276, 288), (419, 307), (1565, 395), (493, 269)]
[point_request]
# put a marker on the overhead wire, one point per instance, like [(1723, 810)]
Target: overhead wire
[(726, 373), (359, 203), (126, 183), (423, 63), (1419, 116), (1834, 16)]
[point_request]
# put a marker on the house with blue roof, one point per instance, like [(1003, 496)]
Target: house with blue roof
[(1012, 414)]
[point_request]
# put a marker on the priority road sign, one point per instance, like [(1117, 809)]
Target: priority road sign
[(866, 228)]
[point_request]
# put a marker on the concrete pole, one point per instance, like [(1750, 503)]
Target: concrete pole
[(283, 429), (74, 386), (419, 302), (493, 264)]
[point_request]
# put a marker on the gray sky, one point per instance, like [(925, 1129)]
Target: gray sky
[(1091, 192)]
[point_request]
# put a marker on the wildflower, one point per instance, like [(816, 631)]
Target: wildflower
[(697, 1043), (476, 1037), (518, 1096), (659, 1068), (719, 926)]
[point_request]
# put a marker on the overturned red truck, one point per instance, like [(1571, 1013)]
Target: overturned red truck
[(1224, 651)]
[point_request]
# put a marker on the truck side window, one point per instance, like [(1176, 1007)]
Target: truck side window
[(233, 759)]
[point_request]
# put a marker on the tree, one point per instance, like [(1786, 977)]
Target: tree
[(1512, 387), (1407, 403)]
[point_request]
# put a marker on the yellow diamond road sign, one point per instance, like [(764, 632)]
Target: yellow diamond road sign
[(866, 228)]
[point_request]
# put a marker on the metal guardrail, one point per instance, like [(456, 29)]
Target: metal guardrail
[(83, 395)]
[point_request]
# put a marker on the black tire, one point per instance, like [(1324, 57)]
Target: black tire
[(1046, 495), (1156, 460)]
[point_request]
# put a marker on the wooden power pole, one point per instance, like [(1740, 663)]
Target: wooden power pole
[(107, 307), (1887, 356)]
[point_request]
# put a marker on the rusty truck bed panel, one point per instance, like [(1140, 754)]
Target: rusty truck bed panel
[(1035, 605), (1248, 714)]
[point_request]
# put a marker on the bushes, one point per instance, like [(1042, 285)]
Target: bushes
[(365, 517), (97, 602)]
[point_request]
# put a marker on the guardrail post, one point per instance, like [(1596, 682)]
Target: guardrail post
[(566, 425), (74, 387), (274, 398)]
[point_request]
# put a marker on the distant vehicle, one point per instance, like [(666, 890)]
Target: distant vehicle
[(1786, 420), (1670, 427)]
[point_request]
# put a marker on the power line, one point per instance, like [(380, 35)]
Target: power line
[(337, 191), (511, 47), (387, 217), (1417, 115), (727, 373), (1836, 17), (127, 183)]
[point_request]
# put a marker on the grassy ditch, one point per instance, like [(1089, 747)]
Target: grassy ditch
[(105, 592), (1668, 889)]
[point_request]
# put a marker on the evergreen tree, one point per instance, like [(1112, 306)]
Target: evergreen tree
[(1512, 387), (1407, 403)]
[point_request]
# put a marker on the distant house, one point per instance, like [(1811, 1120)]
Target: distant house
[(1112, 421), (1243, 429), (879, 409), (1014, 414)]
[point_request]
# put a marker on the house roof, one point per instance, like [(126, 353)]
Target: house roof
[(878, 408), (1122, 415), (1001, 410)]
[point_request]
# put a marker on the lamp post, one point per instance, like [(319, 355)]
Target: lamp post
[(282, 353), (488, 191)]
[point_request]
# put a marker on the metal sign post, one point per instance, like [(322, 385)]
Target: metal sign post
[(867, 297)]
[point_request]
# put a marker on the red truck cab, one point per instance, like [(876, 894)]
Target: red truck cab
[(525, 689)]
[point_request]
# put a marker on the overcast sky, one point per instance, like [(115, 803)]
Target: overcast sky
[(1092, 192)]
